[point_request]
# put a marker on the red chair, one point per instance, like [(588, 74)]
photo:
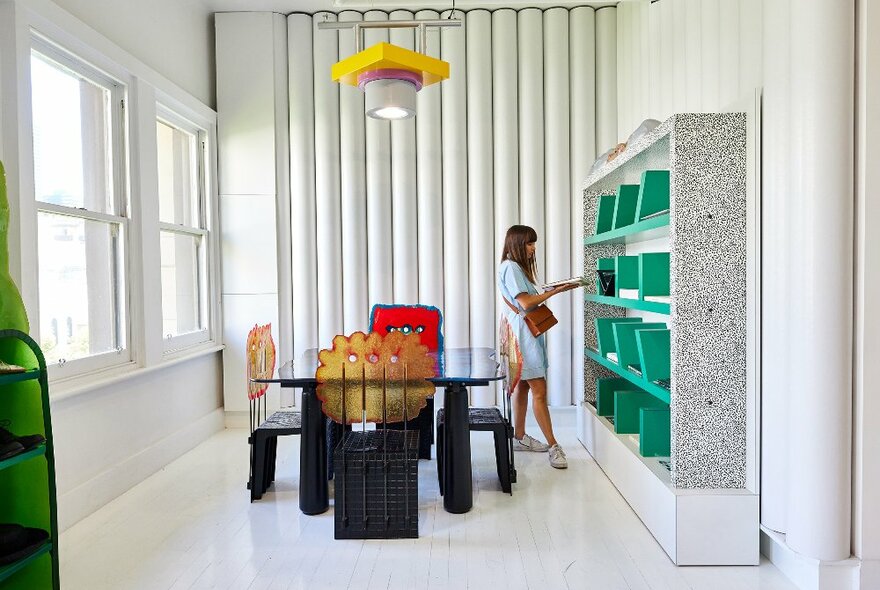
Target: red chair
[(427, 322)]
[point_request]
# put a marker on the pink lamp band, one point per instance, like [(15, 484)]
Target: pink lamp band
[(390, 74)]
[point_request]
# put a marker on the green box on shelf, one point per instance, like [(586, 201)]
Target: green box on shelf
[(603, 264), (653, 194), (625, 205), (654, 353), (605, 333), (625, 341), (654, 274), (654, 432), (626, 273), (627, 406), (605, 388), (605, 214)]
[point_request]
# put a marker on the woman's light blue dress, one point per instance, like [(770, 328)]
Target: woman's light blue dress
[(512, 281)]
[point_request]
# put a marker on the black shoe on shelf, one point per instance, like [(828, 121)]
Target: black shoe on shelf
[(17, 542), (27, 441), (10, 449)]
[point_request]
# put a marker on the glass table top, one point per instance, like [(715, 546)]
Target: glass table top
[(466, 366)]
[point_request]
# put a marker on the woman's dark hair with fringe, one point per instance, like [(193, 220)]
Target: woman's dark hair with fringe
[(515, 249)]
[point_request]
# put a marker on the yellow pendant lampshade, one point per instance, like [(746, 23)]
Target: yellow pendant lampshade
[(389, 75)]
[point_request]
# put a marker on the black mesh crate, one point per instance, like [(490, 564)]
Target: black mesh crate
[(376, 485)]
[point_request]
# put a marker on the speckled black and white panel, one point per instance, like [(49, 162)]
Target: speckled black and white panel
[(592, 310), (706, 154), (708, 286)]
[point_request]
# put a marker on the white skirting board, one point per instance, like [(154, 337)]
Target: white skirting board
[(812, 574), (694, 527)]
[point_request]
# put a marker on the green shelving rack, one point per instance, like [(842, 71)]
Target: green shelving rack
[(27, 481)]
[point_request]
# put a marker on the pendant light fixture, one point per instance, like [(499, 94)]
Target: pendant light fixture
[(389, 75)]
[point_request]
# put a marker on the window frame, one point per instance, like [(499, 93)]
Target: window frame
[(173, 345), (121, 215)]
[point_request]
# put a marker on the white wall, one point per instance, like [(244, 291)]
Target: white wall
[(684, 56), (442, 213), (115, 428), (174, 38)]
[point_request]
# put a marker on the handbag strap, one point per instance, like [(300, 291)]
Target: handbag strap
[(510, 305)]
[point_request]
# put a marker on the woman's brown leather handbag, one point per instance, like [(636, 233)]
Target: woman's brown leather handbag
[(540, 319)]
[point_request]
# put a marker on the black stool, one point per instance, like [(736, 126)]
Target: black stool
[(484, 419), (424, 423), (264, 445)]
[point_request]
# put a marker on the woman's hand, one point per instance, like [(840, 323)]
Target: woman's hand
[(529, 302), (562, 289)]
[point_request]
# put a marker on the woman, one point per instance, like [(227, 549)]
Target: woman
[(516, 282)]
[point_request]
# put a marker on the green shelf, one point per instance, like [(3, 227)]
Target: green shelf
[(6, 378), (8, 570), (655, 306), (647, 229), (659, 392), (36, 452)]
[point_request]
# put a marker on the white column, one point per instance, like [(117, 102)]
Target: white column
[(866, 477), (606, 78), (557, 191), (455, 171), (693, 35), (304, 252), (820, 277), (429, 177), (480, 198), (505, 129), (582, 36), (728, 53), (353, 163), (775, 290), (531, 127), (624, 69), (379, 228), (327, 183), (403, 189)]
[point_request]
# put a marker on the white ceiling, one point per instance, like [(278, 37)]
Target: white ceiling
[(310, 6)]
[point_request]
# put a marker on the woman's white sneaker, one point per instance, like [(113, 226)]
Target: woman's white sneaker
[(527, 443), (557, 457)]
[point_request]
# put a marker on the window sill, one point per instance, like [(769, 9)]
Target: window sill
[(76, 386)]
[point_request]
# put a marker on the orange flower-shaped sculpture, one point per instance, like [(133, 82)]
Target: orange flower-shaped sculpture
[(376, 377), (260, 359)]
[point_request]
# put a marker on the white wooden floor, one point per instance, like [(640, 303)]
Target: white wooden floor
[(192, 526)]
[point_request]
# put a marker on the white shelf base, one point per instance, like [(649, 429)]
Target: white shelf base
[(694, 527)]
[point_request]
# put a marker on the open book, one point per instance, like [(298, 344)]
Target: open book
[(570, 281)]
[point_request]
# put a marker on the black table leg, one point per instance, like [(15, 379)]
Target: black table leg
[(458, 494), (313, 487)]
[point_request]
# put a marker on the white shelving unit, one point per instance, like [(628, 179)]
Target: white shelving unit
[(701, 503)]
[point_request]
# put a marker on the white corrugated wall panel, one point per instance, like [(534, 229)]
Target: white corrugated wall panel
[(728, 58), (327, 183), (353, 152), (429, 177), (557, 191), (304, 252), (480, 195), (380, 272), (679, 69), (582, 89), (404, 202), (455, 208), (607, 82), (693, 58), (531, 127), (710, 54)]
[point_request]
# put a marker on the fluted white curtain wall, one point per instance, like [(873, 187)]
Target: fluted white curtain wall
[(415, 211)]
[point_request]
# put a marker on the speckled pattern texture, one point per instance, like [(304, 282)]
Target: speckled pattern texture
[(706, 154), (593, 371), (708, 282)]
